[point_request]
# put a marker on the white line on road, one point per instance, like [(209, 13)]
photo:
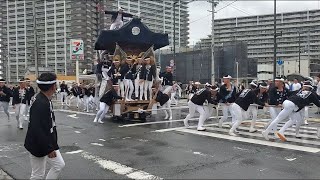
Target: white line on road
[(76, 112), (96, 144), (118, 168), (252, 141), (74, 152), (177, 128), (160, 122)]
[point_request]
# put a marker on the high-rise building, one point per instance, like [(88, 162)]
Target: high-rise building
[(57, 21), (257, 31), (159, 16), (1, 46)]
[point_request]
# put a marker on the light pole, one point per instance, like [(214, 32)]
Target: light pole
[(299, 51), (174, 35), (275, 40)]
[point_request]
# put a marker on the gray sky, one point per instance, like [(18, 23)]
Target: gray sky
[(200, 18)]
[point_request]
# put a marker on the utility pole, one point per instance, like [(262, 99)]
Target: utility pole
[(275, 40), (35, 41), (212, 45), (174, 37), (299, 52)]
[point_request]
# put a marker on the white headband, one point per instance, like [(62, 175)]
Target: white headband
[(227, 77), (46, 82)]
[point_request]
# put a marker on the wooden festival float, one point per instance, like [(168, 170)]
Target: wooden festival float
[(132, 39)]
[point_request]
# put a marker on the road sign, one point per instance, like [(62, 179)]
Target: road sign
[(280, 62), (76, 49)]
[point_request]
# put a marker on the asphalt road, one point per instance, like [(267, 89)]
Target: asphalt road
[(153, 150)]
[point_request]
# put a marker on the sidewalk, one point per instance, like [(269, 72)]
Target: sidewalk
[(4, 175)]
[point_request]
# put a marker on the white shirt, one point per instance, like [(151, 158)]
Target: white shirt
[(296, 86), (318, 88)]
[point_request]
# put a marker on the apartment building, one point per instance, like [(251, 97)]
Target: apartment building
[(159, 16), (257, 32), (57, 21)]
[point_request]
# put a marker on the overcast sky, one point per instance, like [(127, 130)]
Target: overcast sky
[(200, 18)]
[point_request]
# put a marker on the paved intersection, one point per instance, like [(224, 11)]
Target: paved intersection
[(165, 149)]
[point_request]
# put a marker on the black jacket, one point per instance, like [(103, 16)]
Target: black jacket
[(304, 98), (128, 71), (278, 97), (247, 97), (115, 15), (31, 93), (114, 70), (191, 89), (92, 91), (41, 138), (109, 97), (149, 73), (7, 92), (64, 88), (167, 78), (227, 96), (201, 96), (137, 71), (76, 91), (20, 96), (162, 98), (262, 98)]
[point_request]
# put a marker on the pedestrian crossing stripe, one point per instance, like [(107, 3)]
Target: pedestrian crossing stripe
[(252, 141), (309, 141)]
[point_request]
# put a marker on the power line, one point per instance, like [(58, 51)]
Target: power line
[(241, 10), (227, 5), (215, 11)]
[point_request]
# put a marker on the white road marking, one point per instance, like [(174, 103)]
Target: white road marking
[(97, 144), (78, 132), (74, 152), (177, 128), (252, 141), (290, 159), (76, 112), (74, 116), (101, 140), (260, 135), (126, 138), (118, 168), (160, 122)]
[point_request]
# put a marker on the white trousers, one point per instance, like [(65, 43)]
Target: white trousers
[(288, 111), (103, 87), (38, 166), (295, 118), (74, 97), (138, 88), (129, 88), (173, 99), (225, 109), (64, 97), (238, 114), (253, 111), (5, 106), (200, 109), (121, 90), (190, 96), (167, 89), (116, 25), (20, 112), (274, 112), (148, 87), (167, 109), (209, 110), (103, 109)]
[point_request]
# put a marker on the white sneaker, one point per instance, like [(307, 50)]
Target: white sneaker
[(186, 124), (298, 135), (166, 117), (252, 130), (100, 122), (95, 120), (201, 129), (265, 135), (306, 122), (170, 118), (232, 133)]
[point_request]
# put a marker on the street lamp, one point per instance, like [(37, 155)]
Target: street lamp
[(299, 51), (174, 33), (275, 39)]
